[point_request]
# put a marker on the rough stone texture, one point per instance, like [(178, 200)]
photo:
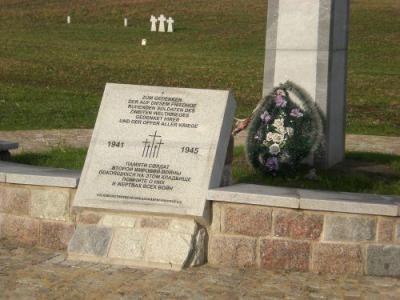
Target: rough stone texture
[(128, 243), (56, 235), (150, 222), (386, 228), (297, 225), (22, 229), (337, 258), (216, 211), (232, 251), (349, 228), (198, 252), (182, 225), (88, 218), (398, 232), (246, 220), (383, 260), (31, 273), (14, 200), (90, 240), (50, 204), (118, 221), (285, 255), (170, 248)]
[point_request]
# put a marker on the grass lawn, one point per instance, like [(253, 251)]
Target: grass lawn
[(52, 74), (382, 177)]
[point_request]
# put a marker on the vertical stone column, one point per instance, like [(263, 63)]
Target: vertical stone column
[(307, 43)]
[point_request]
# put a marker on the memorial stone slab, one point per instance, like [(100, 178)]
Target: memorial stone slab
[(156, 149)]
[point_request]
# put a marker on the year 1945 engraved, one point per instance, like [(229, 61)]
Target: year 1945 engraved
[(192, 150), (115, 144)]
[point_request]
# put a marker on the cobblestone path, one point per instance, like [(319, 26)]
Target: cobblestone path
[(41, 140), (31, 273)]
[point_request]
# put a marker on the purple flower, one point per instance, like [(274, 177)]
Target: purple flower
[(280, 101), (265, 117), (296, 113), (272, 164)]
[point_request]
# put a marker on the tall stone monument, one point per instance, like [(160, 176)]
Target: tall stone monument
[(306, 43)]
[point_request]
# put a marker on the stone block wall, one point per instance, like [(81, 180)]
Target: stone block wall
[(240, 235), (300, 240), (36, 216)]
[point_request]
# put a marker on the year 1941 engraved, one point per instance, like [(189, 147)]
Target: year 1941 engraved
[(192, 150), (115, 144)]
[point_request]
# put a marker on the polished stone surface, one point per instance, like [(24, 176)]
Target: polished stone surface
[(306, 43), (29, 273), (256, 194), (156, 149), (356, 203), (34, 175)]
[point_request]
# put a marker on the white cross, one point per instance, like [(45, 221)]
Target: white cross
[(126, 22), (170, 22), (68, 20), (153, 21), (161, 27)]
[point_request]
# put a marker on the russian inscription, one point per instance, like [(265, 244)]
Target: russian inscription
[(156, 149)]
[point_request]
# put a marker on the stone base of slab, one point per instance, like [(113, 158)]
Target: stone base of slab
[(140, 241)]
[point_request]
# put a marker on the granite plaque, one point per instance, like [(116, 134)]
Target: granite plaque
[(156, 149)]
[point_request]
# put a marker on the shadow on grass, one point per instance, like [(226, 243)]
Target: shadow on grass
[(361, 172)]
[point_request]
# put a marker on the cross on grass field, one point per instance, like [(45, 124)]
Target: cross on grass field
[(52, 74)]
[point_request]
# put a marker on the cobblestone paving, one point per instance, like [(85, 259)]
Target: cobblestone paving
[(30, 273), (42, 140)]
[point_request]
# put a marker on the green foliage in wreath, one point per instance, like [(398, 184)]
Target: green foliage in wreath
[(285, 129)]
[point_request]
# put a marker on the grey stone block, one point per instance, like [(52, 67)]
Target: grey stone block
[(2, 177), (128, 243), (34, 175), (6, 145), (168, 247), (398, 232), (50, 204), (383, 260), (348, 202), (118, 221), (256, 194), (343, 228), (90, 240)]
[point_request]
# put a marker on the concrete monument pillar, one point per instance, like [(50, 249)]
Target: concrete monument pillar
[(307, 43)]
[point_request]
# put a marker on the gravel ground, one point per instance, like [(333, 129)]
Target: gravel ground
[(31, 273)]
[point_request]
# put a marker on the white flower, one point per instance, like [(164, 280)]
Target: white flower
[(275, 137), (270, 136), (278, 122), (279, 125), (278, 138), (274, 149), (289, 131)]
